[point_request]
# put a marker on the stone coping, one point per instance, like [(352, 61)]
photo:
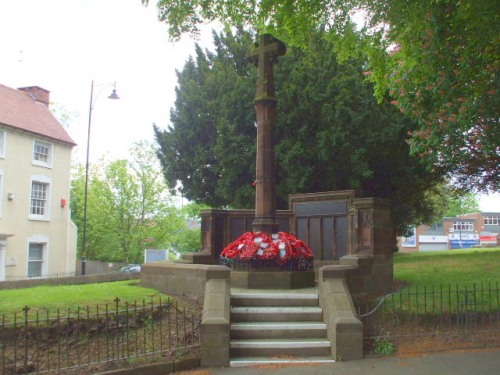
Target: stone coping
[(69, 280)]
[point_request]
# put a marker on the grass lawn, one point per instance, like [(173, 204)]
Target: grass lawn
[(462, 267), (64, 297), (455, 267)]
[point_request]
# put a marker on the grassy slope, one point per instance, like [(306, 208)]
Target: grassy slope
[(462, 267), (62, 297)]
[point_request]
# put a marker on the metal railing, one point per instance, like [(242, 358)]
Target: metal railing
[(66, 342), (452, 311)]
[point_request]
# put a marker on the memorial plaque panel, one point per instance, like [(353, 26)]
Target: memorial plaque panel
[(328, 237)]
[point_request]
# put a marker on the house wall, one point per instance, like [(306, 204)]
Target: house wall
[(57, 230)]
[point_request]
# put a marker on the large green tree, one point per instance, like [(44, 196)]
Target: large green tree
[(129, 208), (330, 133), (438, 59)]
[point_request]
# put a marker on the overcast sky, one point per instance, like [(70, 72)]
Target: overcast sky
[(62, 45)]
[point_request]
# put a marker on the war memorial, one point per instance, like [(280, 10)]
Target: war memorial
[(281, 285)]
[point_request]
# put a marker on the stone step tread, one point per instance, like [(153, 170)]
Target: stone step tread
[(311, 290), (275, 309), (252, 361), (286, 299), (277, 325), (280, 343), (277, 295)]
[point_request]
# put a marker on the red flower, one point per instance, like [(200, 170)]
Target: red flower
[(281, 247)]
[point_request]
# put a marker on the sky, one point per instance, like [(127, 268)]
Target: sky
[(64, 45)]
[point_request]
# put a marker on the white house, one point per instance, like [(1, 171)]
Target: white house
[(37, 236)]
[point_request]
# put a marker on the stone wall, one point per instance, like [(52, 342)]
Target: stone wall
[(220, 227), (345, 331), (181, 279), (70, 280), (340, 227), (373, 241), (208, 282), (216, 321)]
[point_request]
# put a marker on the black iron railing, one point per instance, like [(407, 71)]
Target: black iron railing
[(94, 338), (451, 311)]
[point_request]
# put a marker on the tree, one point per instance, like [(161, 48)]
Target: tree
[(210, 133), (331, 132), (460, 204), (129, 207), (438, 59), (64, 115), (189, 237)]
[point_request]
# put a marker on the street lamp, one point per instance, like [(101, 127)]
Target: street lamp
[(85, 202)]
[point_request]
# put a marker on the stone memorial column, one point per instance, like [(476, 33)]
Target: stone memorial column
[(264, 56)]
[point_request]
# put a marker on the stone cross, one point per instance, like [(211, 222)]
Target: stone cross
[(264, 56)]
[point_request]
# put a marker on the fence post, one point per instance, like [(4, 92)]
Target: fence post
[(25, 310)]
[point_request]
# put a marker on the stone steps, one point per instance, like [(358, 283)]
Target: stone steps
[(256, 330), (276, 360), (276, 347), (274, 299), (277, 327), (276, 313)]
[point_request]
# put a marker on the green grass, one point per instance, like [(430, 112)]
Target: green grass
[(424, 269), (64, 297), (462, 267), (440, 282)]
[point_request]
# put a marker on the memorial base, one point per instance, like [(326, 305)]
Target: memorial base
[(272, 279)]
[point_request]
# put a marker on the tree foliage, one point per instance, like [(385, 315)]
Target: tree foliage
[(330, 132), (460, 204), (129, 208), (438, 59), (210, 148)]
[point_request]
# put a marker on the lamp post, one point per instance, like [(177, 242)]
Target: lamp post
[(85, 199)]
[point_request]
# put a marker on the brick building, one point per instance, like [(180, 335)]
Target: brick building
[(464, 231)]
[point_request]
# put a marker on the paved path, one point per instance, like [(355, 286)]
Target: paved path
[(480, 362)]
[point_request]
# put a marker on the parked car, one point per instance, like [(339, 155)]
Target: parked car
[(129, 268)]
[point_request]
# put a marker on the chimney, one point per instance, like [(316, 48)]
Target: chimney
[(37, 93)]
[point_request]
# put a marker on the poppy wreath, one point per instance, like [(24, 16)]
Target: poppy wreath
[(280, 249)]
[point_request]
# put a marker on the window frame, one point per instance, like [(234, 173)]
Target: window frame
[(49, 155), (43, 180), (491, 220), (44, 242), (465, 226)]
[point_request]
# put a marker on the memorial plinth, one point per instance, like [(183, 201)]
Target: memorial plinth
[(261, 260)]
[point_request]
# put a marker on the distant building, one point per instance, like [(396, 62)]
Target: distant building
[(461, 232), (37, 236)]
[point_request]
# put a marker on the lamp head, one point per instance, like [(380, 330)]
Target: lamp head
[(114, 95)]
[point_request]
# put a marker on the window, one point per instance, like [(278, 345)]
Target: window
[(35, 259), (40, 198), (463, 225), (42, 154), (491, 220), (3, 136)]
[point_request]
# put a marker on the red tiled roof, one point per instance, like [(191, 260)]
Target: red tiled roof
[(19, 110)]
